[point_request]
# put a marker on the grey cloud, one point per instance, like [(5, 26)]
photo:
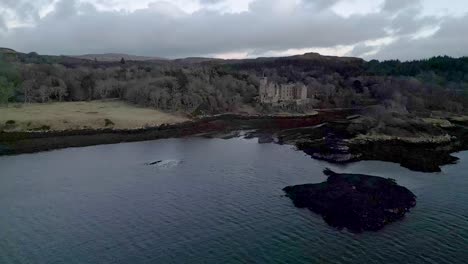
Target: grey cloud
[(361, 49), (64, 9), (163, 29), (451, 39), (2, 22), (408, 22), (321, 4), (211, 1), (397, 5), (24, 9), (151, 32), (9, 3)]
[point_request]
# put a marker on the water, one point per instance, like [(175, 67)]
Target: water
[(211, 201)]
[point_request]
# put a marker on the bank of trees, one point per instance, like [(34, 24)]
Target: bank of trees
[(9, 80), (165, 87), (217, 87), (451, 73)]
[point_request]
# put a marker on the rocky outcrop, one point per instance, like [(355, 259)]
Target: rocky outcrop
[(423, 157), (421, 148), (354, 201)]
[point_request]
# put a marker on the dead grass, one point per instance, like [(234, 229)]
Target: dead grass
[(438, 122), (460, 118), (82, 115)]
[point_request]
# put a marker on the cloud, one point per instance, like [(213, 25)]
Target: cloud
[(361, 50), (269, 25), (210, 2), (397, 5), (2, 23), (24, 10), (451, 39), (321, 4), (64, 9), (163, 28)]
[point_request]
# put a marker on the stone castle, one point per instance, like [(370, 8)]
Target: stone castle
[(273, 93)]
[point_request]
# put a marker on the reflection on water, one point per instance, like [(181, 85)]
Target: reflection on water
[(222, 204)]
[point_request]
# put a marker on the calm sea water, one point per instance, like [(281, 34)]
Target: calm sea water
[(213, 201)]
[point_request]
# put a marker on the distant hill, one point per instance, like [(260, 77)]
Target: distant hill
[(8, 54), (195, 60), (113, 57), (7, 51)]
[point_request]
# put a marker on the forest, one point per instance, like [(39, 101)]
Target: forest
[(201, 87)]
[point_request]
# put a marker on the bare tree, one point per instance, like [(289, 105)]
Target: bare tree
[(43, 93), (27, 88)]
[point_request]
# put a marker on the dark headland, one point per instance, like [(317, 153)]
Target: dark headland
[(354, 201)]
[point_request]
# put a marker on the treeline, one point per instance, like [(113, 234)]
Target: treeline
[(210, 87), (297, 67), (435, 84), (195, 89), (9, 81), (441, 70)]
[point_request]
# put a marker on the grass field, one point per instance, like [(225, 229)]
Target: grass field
[(82, 115)]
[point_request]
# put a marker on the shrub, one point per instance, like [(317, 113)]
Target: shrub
[(7, 90), (42, 128), (109, 122)]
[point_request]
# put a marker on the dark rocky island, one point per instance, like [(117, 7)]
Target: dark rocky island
[(354, 201)]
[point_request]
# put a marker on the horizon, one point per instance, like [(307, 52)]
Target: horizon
[(156, 57), (383, 30)]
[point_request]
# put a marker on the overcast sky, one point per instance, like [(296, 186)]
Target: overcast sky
[(372, 29)]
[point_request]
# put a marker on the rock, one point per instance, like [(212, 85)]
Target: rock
[(414, 156), (354, 201), (153, 163), (265, 139), (417, 156), (164, 163)]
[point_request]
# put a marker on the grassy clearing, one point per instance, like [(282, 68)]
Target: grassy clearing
[(460, 118), (82, 115), (438, 122)]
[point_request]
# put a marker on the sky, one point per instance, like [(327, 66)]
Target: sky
[(371, 29)]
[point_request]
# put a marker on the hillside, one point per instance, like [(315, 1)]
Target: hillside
[(6, 51), (114, 57), (201, 86)]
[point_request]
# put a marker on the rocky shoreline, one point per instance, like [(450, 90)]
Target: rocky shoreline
[(324, 136), (333, 142), (221, 126), (354, 201)]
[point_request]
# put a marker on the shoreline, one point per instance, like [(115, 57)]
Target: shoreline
[(322, 136), (13, 143)]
